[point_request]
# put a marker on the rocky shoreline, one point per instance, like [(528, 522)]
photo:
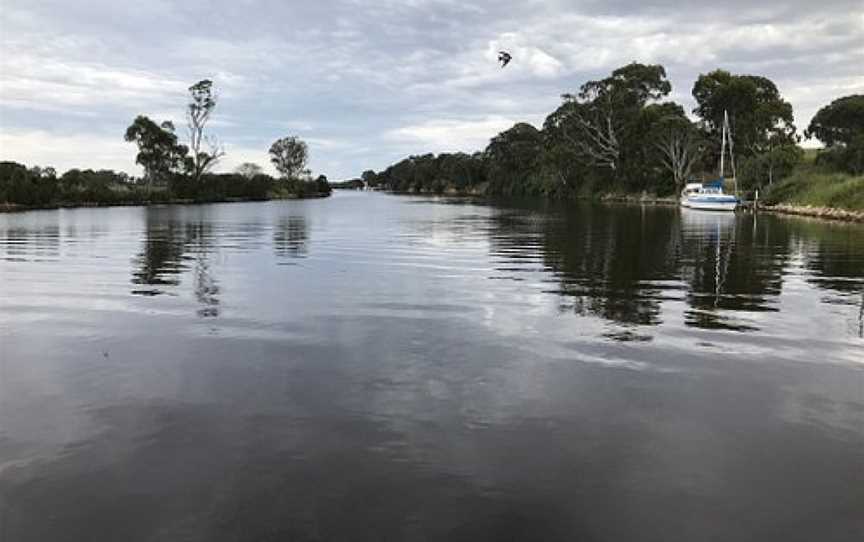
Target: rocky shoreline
[(830, 213)]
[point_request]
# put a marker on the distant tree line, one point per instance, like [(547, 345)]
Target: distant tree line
[(172, 170), (350, 184), (42, 187), (621, 134)]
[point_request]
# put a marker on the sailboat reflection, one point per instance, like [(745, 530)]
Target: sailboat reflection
[(709, 239)]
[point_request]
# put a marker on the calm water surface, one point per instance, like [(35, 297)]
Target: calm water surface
[(373, 367)]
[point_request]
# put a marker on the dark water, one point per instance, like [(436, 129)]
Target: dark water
[(371, 367)]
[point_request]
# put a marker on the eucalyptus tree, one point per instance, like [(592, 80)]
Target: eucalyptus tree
[(680, 145), (759, 117), (206, 150), (840, 122), (603, 123), (159, 152), (289, 156), (840, 126), (511, 158), (761, 124)]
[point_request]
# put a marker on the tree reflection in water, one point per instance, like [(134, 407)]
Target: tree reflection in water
[(173, 246), (162, 258), (832, 252), (732, 268), (621, 264), (290, 237), (611, 265), (206, 288)]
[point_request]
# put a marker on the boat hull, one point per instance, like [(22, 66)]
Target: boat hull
[(710, 205)]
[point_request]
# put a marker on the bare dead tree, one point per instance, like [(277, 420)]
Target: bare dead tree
[(680, 151), (201, 105)]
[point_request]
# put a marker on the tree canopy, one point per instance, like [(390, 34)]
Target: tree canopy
[(289, 156), (840, 125), (840, 122), (759, 117), (620, 134), (159, 153)]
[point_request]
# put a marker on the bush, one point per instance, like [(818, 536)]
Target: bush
[(768, 168), (220, 187), (848, 158)]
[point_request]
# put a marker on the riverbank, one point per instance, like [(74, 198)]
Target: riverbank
[(815, 211), (829, 213), (17, 208), (808, 186), (481, 191), (23, 188)]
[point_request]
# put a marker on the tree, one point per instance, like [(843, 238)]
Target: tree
[(680, 147), (368, 177), (322, 185), (773, 165), (840, 122), (602, 122), (759, 117), (249, 170), (201, 105), (289, 155), (512, 157), (840, 125), (158, 151), (595, 130)]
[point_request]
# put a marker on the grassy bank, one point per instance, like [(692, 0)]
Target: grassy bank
[(808, 186)]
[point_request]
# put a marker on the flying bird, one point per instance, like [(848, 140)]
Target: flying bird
[(504, 58)]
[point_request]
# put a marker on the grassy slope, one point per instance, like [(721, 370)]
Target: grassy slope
[(818, 189), (813, 186)]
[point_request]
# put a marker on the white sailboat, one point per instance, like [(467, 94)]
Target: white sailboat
[(710, 196)]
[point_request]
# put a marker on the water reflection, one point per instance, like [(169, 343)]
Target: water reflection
[(290, 237), (861, 317), (611, 266), (39, 243), (626, 266), (731, 270), (162, 259), (172, 246), (544, 367), (834, 260)]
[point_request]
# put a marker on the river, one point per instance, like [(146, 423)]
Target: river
[(378, 367)]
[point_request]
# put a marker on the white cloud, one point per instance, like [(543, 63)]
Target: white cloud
[(363, 85), (450, 135), (236, 155), (67, 151), (41, 82)]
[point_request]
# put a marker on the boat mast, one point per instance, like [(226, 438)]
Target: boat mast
[(727, 134), (723, 144)]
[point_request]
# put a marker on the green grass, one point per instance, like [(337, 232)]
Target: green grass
[(810, 155), (808, 185)]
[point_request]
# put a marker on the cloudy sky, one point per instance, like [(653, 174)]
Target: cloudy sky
[(367, 82)]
